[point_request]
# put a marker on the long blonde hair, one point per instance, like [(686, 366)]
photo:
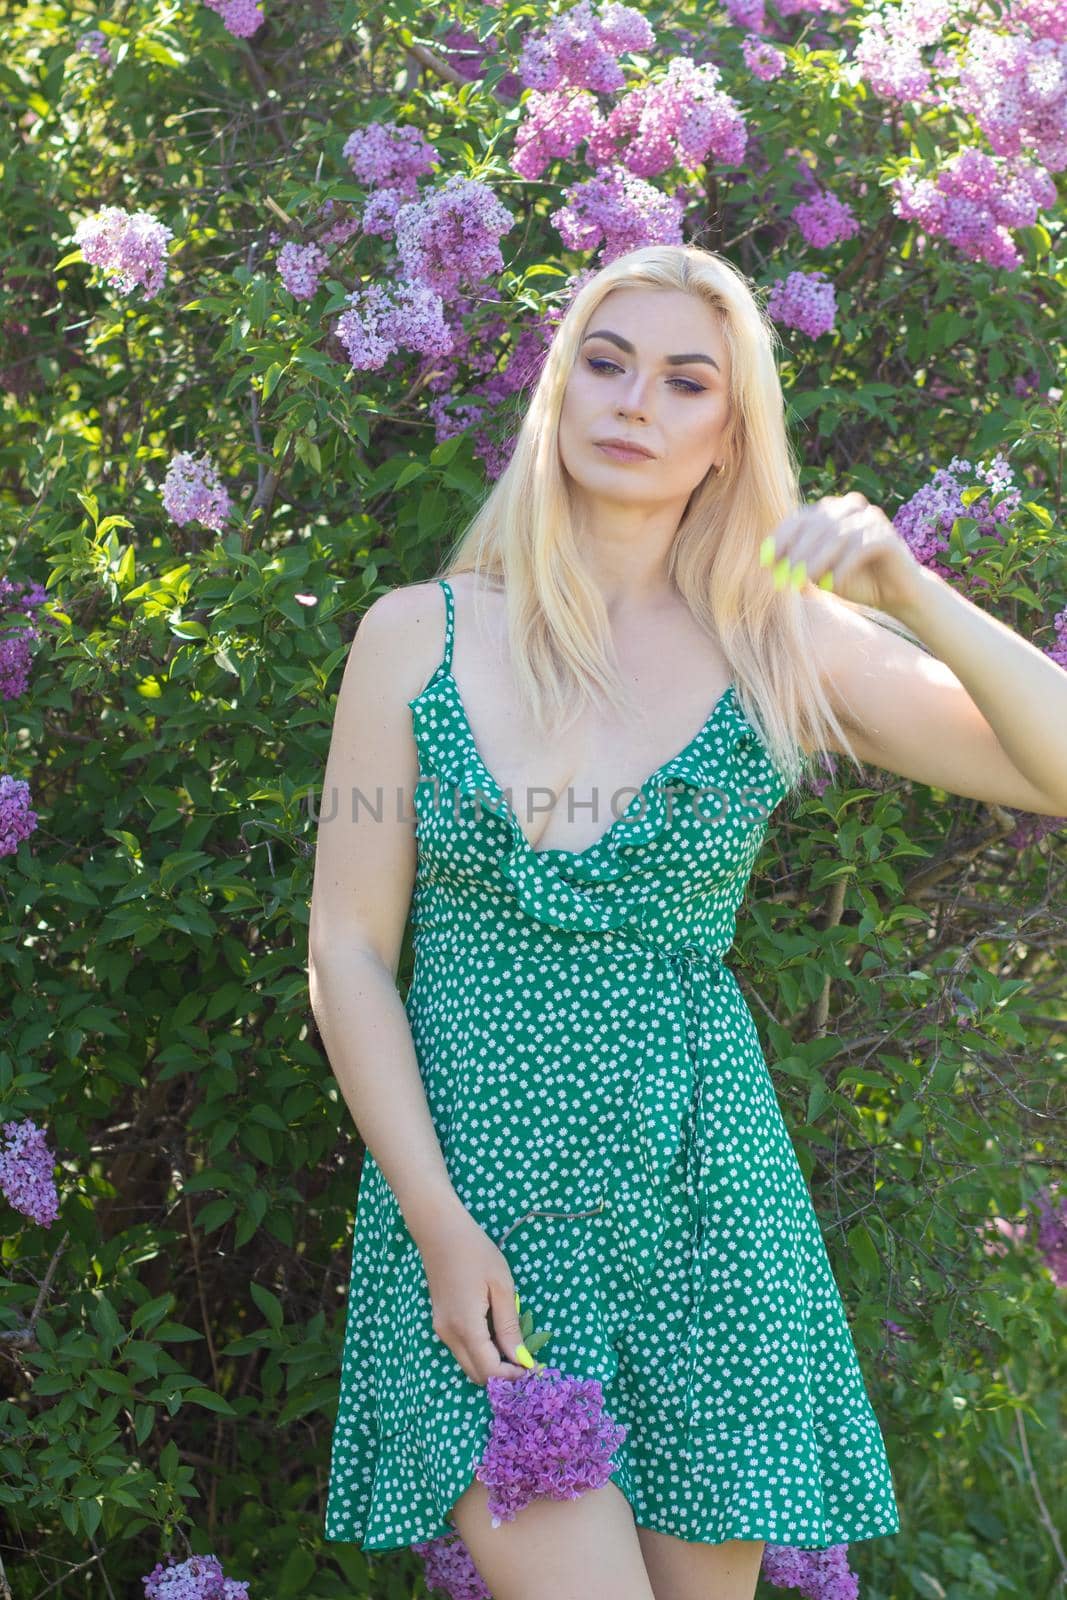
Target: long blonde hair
[(523, 536)]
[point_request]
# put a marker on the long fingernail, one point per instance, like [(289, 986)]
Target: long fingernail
[(800, 573), (826, 581), (766, 551), (781, 572), (523, 1356)]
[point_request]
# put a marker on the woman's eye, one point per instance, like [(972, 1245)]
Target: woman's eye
[(600, 365)]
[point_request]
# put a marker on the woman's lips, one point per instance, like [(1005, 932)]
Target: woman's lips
[(620, 454)]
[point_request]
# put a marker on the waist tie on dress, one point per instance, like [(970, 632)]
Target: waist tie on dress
[(666, 1106)]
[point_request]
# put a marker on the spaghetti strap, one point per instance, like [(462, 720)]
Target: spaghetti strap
[(450, 627)]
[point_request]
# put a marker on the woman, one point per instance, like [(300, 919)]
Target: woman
[(571, 1102)]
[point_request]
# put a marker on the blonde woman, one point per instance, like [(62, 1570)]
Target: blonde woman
[(596, 710)]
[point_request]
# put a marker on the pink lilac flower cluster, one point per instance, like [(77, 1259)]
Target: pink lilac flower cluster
[(130, 246), (555, 124), (825, 220), (448, 238), (300, 266), (198, 1578), (16, 643), (550, 1436), (1052, 1233), (925, 521), (390, 159), (1015, 87), (26, 1165), (683, 117), (889, 50), (974, 200), (382, 319), (761, 57), (580, 48), (448, 1566), (818, 1574), (619, 209), (1047, 1229), (997, 1233), (17, 820), (1046, 19), (239, 17), (805, 301), (748, 14), (452, 235), (1058, 651), (192, 492), (96, 41)]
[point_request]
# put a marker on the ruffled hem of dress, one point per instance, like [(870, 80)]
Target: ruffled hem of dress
[(412, 1470), (718, 1496)]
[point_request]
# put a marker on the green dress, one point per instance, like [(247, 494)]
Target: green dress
[(585, 1049)]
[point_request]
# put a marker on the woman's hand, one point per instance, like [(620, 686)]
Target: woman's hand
[(469, 1277), (844, 543)]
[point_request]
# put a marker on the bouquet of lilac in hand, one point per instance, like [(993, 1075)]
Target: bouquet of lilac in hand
[(549, 1437)]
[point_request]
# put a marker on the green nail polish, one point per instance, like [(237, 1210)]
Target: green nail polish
[(781, 572), (800, 574), (826, 581), (766, 551)]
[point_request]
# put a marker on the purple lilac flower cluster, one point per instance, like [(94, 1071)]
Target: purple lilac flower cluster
[(26, 1164), (131, 247), (550, 1437), (925, 521), (448, 1566), (17, 819), (818, 1574), (192, 492), (198, 1578), (16, 642), (95, 42), (1052, 1232), (240, 17)]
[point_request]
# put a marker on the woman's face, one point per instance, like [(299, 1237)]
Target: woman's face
[(625, 384)]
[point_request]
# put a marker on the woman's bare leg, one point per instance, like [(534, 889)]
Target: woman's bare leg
[(682, 1570), (584, 1549)]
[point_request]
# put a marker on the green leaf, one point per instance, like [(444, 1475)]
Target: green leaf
[(211, 1402)]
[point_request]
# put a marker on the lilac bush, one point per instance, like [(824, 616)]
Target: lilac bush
[(373, 232)]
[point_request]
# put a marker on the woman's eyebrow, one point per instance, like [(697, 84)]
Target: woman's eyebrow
[(624, 344)]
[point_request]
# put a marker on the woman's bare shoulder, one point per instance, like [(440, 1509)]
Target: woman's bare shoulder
[(399, 639)]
